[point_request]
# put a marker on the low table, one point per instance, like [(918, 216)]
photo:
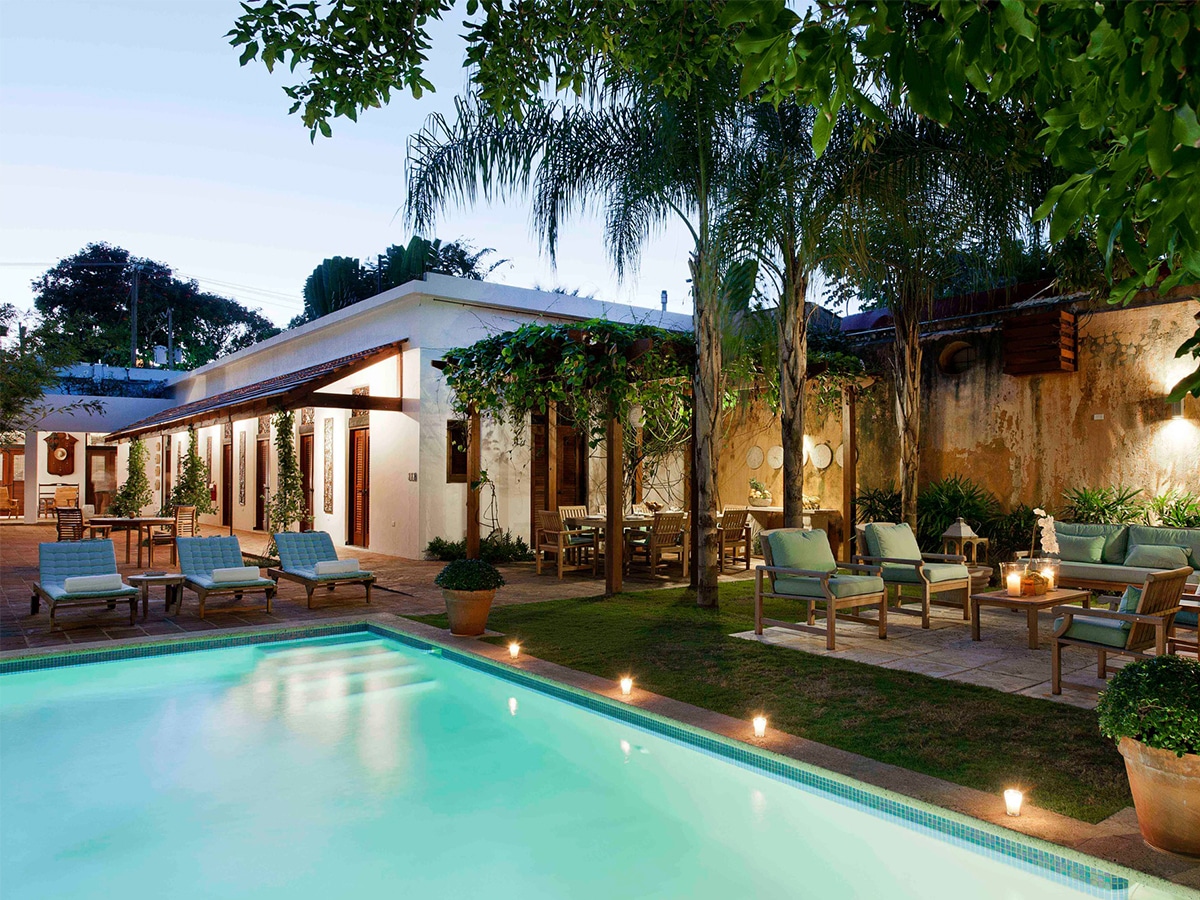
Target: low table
[(171, 582), (1032, 606)]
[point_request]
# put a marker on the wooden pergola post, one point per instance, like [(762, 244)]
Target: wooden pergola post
[(473, 485), (849, 469), (552, 455), (614, 531)]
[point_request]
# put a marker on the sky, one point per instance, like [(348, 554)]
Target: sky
[(131, 122)]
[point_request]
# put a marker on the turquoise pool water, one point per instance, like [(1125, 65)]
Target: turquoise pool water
[(357, 766)]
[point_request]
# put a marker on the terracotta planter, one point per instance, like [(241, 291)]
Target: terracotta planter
[(1166, 795), (468, 611)]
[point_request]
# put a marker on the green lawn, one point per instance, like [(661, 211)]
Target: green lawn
[(969, 735)]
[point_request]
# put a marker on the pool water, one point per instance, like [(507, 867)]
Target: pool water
[(357, 766)]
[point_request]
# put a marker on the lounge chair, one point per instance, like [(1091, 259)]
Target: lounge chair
[(213, 566), (80, 573), (304, 557), (733, 536), (800, 566), (1142, 620), (894, 548), (556, 538)]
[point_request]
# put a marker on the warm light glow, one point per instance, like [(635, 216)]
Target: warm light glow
[(1013, 583), (512, 705), (625, 748), (1048, 574), (626, 686), (514, 649), (760, 726), (1012, 801)]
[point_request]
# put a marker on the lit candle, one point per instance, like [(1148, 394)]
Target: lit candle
[(514, 649), (626, 686), (1013, 583), (1048, 574), (760, 726), (1012, 801)]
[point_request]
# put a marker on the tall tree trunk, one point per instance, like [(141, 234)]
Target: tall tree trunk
[(706, 397), (793, 375), (906, 361)]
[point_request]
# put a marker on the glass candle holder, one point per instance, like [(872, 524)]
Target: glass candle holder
[(1010, 575), (1047, 567)]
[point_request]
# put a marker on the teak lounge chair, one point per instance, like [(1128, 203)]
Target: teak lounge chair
[(308, 558), (800, 566), (213, 566), (1142, 620), (894, 548), (80, 573)]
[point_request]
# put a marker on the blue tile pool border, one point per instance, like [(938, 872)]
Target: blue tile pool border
[(1048, 860)]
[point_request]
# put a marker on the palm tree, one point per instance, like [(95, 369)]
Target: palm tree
[(644, 156)]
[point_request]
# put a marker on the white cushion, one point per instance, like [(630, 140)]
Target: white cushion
[(79, 584), (336, 566), (235, 573)]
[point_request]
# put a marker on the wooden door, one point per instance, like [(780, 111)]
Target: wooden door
[(12, 478), (262, 454), (359, 506), (306, 480), (227, 477), (101, 477), (572, 467)]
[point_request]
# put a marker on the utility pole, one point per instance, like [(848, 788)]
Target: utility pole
[(133, 329), (170, 339)]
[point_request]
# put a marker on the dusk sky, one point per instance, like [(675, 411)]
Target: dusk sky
[(131, 122)]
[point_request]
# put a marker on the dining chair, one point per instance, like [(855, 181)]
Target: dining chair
[(556, 538), (664, 536), (733, 535), (183, 526)]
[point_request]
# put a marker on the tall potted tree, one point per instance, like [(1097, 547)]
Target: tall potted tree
[(192, 488), (135, 494), (286, 506), (469, 587), (1152, 710)]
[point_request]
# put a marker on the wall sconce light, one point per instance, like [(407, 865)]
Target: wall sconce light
[(1175, 410), (1012, 801)]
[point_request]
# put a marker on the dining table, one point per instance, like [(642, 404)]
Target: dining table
[(631, 521), (129, 524)]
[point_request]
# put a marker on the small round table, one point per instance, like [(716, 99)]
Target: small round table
[(171, 582)]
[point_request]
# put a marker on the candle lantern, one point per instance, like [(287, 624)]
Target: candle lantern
[(962, 540)]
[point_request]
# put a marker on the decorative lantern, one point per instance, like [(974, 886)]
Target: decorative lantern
[(960, 539)]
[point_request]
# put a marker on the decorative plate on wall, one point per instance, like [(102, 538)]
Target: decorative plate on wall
[(775, 457), (822, 456), (839, 455), (754, 457)]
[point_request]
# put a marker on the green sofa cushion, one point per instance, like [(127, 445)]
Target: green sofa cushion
[(1130, 600), (1110, 632), (935, 572), (1173, 537), (896, 541), (1068, 571), (1116, 538), (1187, 617), (793, 548), (1081, 548), (1156, 556), (840, 586)]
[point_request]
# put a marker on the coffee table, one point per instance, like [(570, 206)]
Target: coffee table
[(1032, 606), (172, 583)]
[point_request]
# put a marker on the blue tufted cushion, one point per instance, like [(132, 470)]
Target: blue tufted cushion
[(304, 549), (56, 592), (61, 560), (311, 574), (200, 555)]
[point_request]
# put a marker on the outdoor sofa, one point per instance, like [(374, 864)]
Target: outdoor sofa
[(80, 573), (1112, 557), (308, 558), (213, 566)]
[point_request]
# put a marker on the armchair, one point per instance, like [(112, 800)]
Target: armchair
[(895, 550)]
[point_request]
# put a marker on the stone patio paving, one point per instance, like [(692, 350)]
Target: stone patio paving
[(1001, 660)]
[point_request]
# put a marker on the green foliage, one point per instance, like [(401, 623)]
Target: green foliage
[(1113, 505), (1175, 509), (1009, 532), (469, 575), (285, 505), (135, 494), (941, 502), (878, 505), (592, 369), (1155, 701), (85, 299), (192, 486), (498, 548)]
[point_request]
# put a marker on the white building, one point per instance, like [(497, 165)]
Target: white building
[(373, 418)]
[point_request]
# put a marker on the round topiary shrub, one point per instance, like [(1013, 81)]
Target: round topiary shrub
[(469, 575), (1155, 702)]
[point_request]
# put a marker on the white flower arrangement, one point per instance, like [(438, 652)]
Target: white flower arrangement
[(1049, 537)]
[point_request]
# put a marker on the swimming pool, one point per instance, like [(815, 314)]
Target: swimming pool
[(362, 764)]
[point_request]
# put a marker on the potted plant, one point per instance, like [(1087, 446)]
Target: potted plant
[(1152, 709), (468, 587), (759, 495)]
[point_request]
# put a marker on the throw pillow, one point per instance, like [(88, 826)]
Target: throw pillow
[(1156, 556), (80, 584), (1130, 600), (336, 566), (1077, 548), (235, 574)]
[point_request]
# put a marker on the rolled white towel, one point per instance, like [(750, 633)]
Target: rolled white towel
[(79, 584), (336, 566), (235, 573)]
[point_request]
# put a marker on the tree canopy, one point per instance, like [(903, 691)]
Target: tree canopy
[(84, 301)]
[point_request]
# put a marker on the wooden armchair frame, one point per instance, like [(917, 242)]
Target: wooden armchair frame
[(929, 589), (832, 604), (733, 534), (555, 537), (664, 536)]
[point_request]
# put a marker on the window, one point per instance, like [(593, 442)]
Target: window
[(456, 451), (956, 357)]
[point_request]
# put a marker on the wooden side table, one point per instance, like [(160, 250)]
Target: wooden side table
[(172, 588), (1032, 606)]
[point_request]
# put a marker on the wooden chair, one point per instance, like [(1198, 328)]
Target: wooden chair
[(66, 495), (800, 566), (733, 534), (895, 550), (8, 506), (300, 557), (183, 526), (69, 523), (554, 537), (664, 536), (1187, 621), (1139, 623)]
